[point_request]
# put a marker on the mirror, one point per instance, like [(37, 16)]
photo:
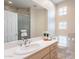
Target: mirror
[(33, 22), (14, 24)]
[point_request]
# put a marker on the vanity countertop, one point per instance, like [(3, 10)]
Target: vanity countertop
[(9, 52)]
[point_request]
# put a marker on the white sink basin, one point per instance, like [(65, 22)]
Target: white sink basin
[(25, 50)]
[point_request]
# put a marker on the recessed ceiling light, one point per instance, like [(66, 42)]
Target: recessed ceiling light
[(10, 2)]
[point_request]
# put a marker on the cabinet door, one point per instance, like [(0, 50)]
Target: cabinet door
[(46, 56), (35, 56), (53, 51), (53, 54)]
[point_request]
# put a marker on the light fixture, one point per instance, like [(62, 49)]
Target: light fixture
[(10, 2)]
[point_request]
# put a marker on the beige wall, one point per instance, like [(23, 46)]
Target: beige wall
[(38, 22), (70, 17), (47, 4)]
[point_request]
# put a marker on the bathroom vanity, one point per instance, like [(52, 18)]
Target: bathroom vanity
[(39, 49), (49, 52)]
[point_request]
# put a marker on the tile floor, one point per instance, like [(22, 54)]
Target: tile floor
[(67, 52)]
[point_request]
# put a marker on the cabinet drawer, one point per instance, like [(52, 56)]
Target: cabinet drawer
[(35, 56), (44, 51), (46, 56), (54, 46), (40, 54)]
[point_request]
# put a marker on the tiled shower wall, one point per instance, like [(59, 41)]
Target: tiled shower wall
[(23, 24)]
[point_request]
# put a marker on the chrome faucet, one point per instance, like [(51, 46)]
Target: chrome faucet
[(26, 42)]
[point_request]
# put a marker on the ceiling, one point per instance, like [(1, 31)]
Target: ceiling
[(57, 1), (23, 4), (28, 3)]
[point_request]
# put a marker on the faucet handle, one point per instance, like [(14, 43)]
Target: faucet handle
[(27, 42), (20, 43)]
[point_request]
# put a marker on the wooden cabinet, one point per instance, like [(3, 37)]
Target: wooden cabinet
[(46, 53), (53, 54), (53, 51), (46, 56), (41, 54), (35, 56)]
